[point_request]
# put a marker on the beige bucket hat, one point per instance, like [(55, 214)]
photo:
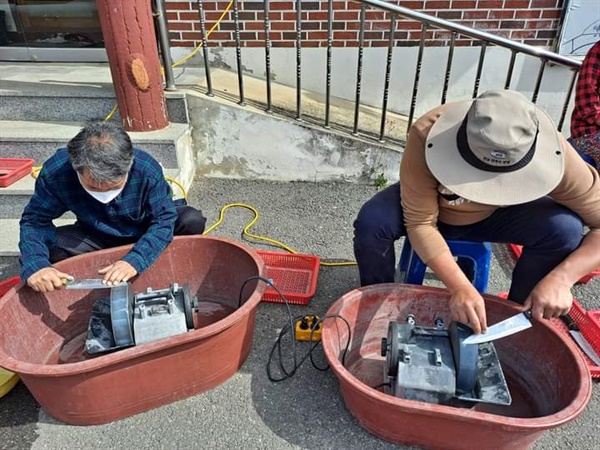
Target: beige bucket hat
[(498, 149)]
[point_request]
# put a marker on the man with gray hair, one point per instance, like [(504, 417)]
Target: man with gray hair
[(118, 195)]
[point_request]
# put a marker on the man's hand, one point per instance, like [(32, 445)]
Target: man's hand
[(467, 306), (48, 279), (118, 272), (550, 298)]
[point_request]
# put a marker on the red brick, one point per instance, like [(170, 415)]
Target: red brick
[(379, 25), (522, 34), (551, 13), (214, 36), (283, 25), (487, 24), (449, 15), (405, 25), (513, 24), (528, 14), (516, 4), (413, 4), (378, 43), (171, 16), (254, 44), (546, 3), (501, 14), (189, 16), (462, 4), (317, 35), (255, 25), (373, 35), (352, 25), (437, 4), (475, 15), (283, 44), (185, 43), (251, 35), (547, 34), (181, 26), (317, 15), (540, 24), (343, 35), (345, 15), (178, 5), (490, 4), (249, 15), (214, 16), (293, 15), (197, 36), (281, 6), (339, 5), (311, 44), (373, 14)]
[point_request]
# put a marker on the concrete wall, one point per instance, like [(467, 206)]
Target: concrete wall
[(235, 142), (344, 61)]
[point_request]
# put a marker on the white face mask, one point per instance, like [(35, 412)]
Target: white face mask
[(103, 197)]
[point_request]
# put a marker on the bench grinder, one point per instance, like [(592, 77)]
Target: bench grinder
[(126, 319), (431, 364)]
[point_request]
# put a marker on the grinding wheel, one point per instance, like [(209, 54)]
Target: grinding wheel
[(466, 357), (121, 315)]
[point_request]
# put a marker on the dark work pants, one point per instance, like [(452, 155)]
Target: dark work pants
[(548, 232), (75, 240)]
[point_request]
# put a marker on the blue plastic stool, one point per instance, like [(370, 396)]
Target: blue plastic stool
[(473, 257)]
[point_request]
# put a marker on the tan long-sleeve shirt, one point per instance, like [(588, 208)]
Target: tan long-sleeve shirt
[(423, 206)]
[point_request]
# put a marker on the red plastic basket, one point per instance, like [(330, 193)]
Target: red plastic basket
[(294, 274), (589, 327), (517, 250), (8, 284), (13, 169)]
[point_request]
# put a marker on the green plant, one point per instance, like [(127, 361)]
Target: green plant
[(380, 181)]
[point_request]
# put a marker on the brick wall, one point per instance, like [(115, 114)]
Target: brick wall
[(533, 22)]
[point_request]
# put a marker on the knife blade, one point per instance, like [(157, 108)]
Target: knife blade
[(92, 283), (506, 327), (578, 337)]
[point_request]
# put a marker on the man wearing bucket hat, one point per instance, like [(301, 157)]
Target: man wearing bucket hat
[(489, 169)]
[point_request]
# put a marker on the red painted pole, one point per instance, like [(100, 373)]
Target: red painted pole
[(128, 30)]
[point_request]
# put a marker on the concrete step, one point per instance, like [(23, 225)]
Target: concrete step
[(9, 235), (64, 92), (39, 140), (14, 198), (28, 106)]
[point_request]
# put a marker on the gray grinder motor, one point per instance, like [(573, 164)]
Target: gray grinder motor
[(127, 319), (431, 364)]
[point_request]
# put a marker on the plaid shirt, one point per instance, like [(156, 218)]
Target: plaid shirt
[(587, 95), (143, 212)]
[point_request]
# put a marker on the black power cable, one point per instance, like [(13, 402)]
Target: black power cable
[(289, 327)]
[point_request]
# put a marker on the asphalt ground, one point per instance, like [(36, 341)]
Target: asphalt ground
[(249, 411)]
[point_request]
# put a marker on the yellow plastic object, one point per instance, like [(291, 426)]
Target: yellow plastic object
[(8, 380), (304, 328)]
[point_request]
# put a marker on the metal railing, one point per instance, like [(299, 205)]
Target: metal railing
[(428, 23)]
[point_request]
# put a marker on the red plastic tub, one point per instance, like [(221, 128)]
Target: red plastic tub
[(39, 328), (548, 379), (13, 169)]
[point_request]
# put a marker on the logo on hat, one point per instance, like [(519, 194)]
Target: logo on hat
[(498, 154)]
